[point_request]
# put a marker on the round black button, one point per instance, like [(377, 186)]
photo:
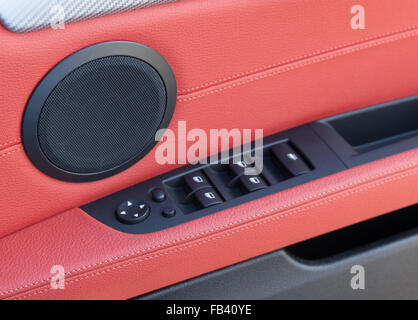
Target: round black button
[(169, 212), (132, 211), (158, 195)]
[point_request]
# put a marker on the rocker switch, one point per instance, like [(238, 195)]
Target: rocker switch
[(290, 159), (195, 181), (207, 197), (253, 183)]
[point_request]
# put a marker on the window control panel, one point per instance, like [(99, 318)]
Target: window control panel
[(288, 159)]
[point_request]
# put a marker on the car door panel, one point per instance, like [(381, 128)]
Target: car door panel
[(239, 64), (97, 256)]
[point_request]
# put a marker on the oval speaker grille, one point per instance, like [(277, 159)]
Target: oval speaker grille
[(102, 114)]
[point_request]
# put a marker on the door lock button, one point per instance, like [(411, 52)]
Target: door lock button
[(252, 183), (158, 195), (290, 159), (133, 211), (207, 197), (169, 212)]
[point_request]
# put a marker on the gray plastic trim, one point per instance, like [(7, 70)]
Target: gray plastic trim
[(29, 15), (391, 272)]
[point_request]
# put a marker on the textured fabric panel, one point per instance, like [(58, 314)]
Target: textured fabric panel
[(102, 115), (30, 15)]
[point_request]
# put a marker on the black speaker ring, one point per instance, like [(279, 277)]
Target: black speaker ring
[(59, 72)]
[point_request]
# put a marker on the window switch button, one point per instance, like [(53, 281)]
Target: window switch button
[(207, 197), (195, 181), (252, 183), (238, 169), (290, 159)]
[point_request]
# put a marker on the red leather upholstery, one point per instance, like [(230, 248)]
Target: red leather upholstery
[(102, 263), (239, 64)]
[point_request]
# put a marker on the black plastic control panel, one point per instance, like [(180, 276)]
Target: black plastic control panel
[(289, 158)]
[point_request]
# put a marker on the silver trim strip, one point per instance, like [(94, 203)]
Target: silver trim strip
[(30, 15)]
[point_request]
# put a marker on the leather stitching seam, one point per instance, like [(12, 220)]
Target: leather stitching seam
[(296, 65), (334, 197), (15, 149), (282, 69), (294, 59)]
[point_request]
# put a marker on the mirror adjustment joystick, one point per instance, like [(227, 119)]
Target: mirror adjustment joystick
[(132, 211)]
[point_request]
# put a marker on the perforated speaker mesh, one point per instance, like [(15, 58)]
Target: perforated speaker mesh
[(102, 114)]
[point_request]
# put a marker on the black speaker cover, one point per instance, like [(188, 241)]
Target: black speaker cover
[(97, 112)]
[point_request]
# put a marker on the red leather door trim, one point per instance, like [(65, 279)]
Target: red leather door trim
[(102, 263), (240, 63)]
